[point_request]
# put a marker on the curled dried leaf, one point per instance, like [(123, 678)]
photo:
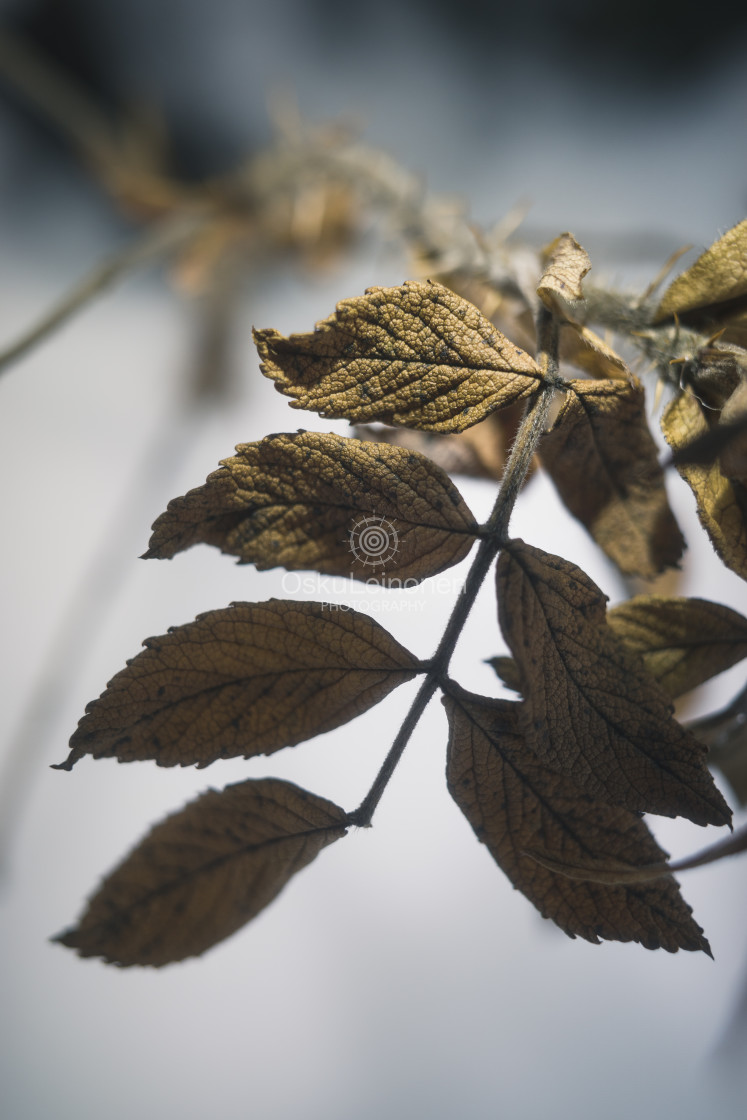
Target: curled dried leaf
[(603, 461), (580, 346), (204, 872), (417, 355), (246, 680), (566, 263), (312, 501), (683, 642), (516, 805), (717, 276), (722, 503), (591, 711)]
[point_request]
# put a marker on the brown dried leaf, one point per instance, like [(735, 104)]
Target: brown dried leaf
[(204, 872), (416, 355), (682, 642), (341, 506), (733, 458), (712, 444), (507, 671), (479, 452), (476, 453), (583, 348), (722, 504), (616, 871), (246, 680), (516, 804), (603, 461), (566, 263), (719, 274), (591, 710)]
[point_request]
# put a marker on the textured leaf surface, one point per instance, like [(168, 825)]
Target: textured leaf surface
[(516, 805), (722, 503), (566, 264), (302, 501), (246, 680), (719, 274), (416, 355), (603, 461), (683, 642), (591, 710), (204, 872)]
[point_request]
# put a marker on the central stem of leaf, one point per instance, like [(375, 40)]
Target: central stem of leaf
[(495, 536)]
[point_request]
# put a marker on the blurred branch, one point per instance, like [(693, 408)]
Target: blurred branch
[(168, 235)]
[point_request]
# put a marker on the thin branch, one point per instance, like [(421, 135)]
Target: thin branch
[(157, 242), (207, 387), (58, 98)]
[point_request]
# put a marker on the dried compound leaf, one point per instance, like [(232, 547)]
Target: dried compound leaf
[(341, 506), (683, 642), (722, 503), (566, 264), (591, 711), (204, 872), (719, 274), (417, 355), (603, 461), (517, 805), (246, 680)]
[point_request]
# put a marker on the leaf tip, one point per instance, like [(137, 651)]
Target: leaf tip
[(68, 764)]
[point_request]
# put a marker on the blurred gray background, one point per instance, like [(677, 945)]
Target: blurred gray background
[(400, 975)]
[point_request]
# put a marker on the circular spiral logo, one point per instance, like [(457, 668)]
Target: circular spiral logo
[(373, 540)]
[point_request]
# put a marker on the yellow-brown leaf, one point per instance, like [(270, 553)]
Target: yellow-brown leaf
[(591, 710), (416, 355), (603, 461), (566, 264), (719, 274), (312, 501), (722, 504), (580, 346), (204, 872), (246, 680), (682, 642), (515, 804)]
